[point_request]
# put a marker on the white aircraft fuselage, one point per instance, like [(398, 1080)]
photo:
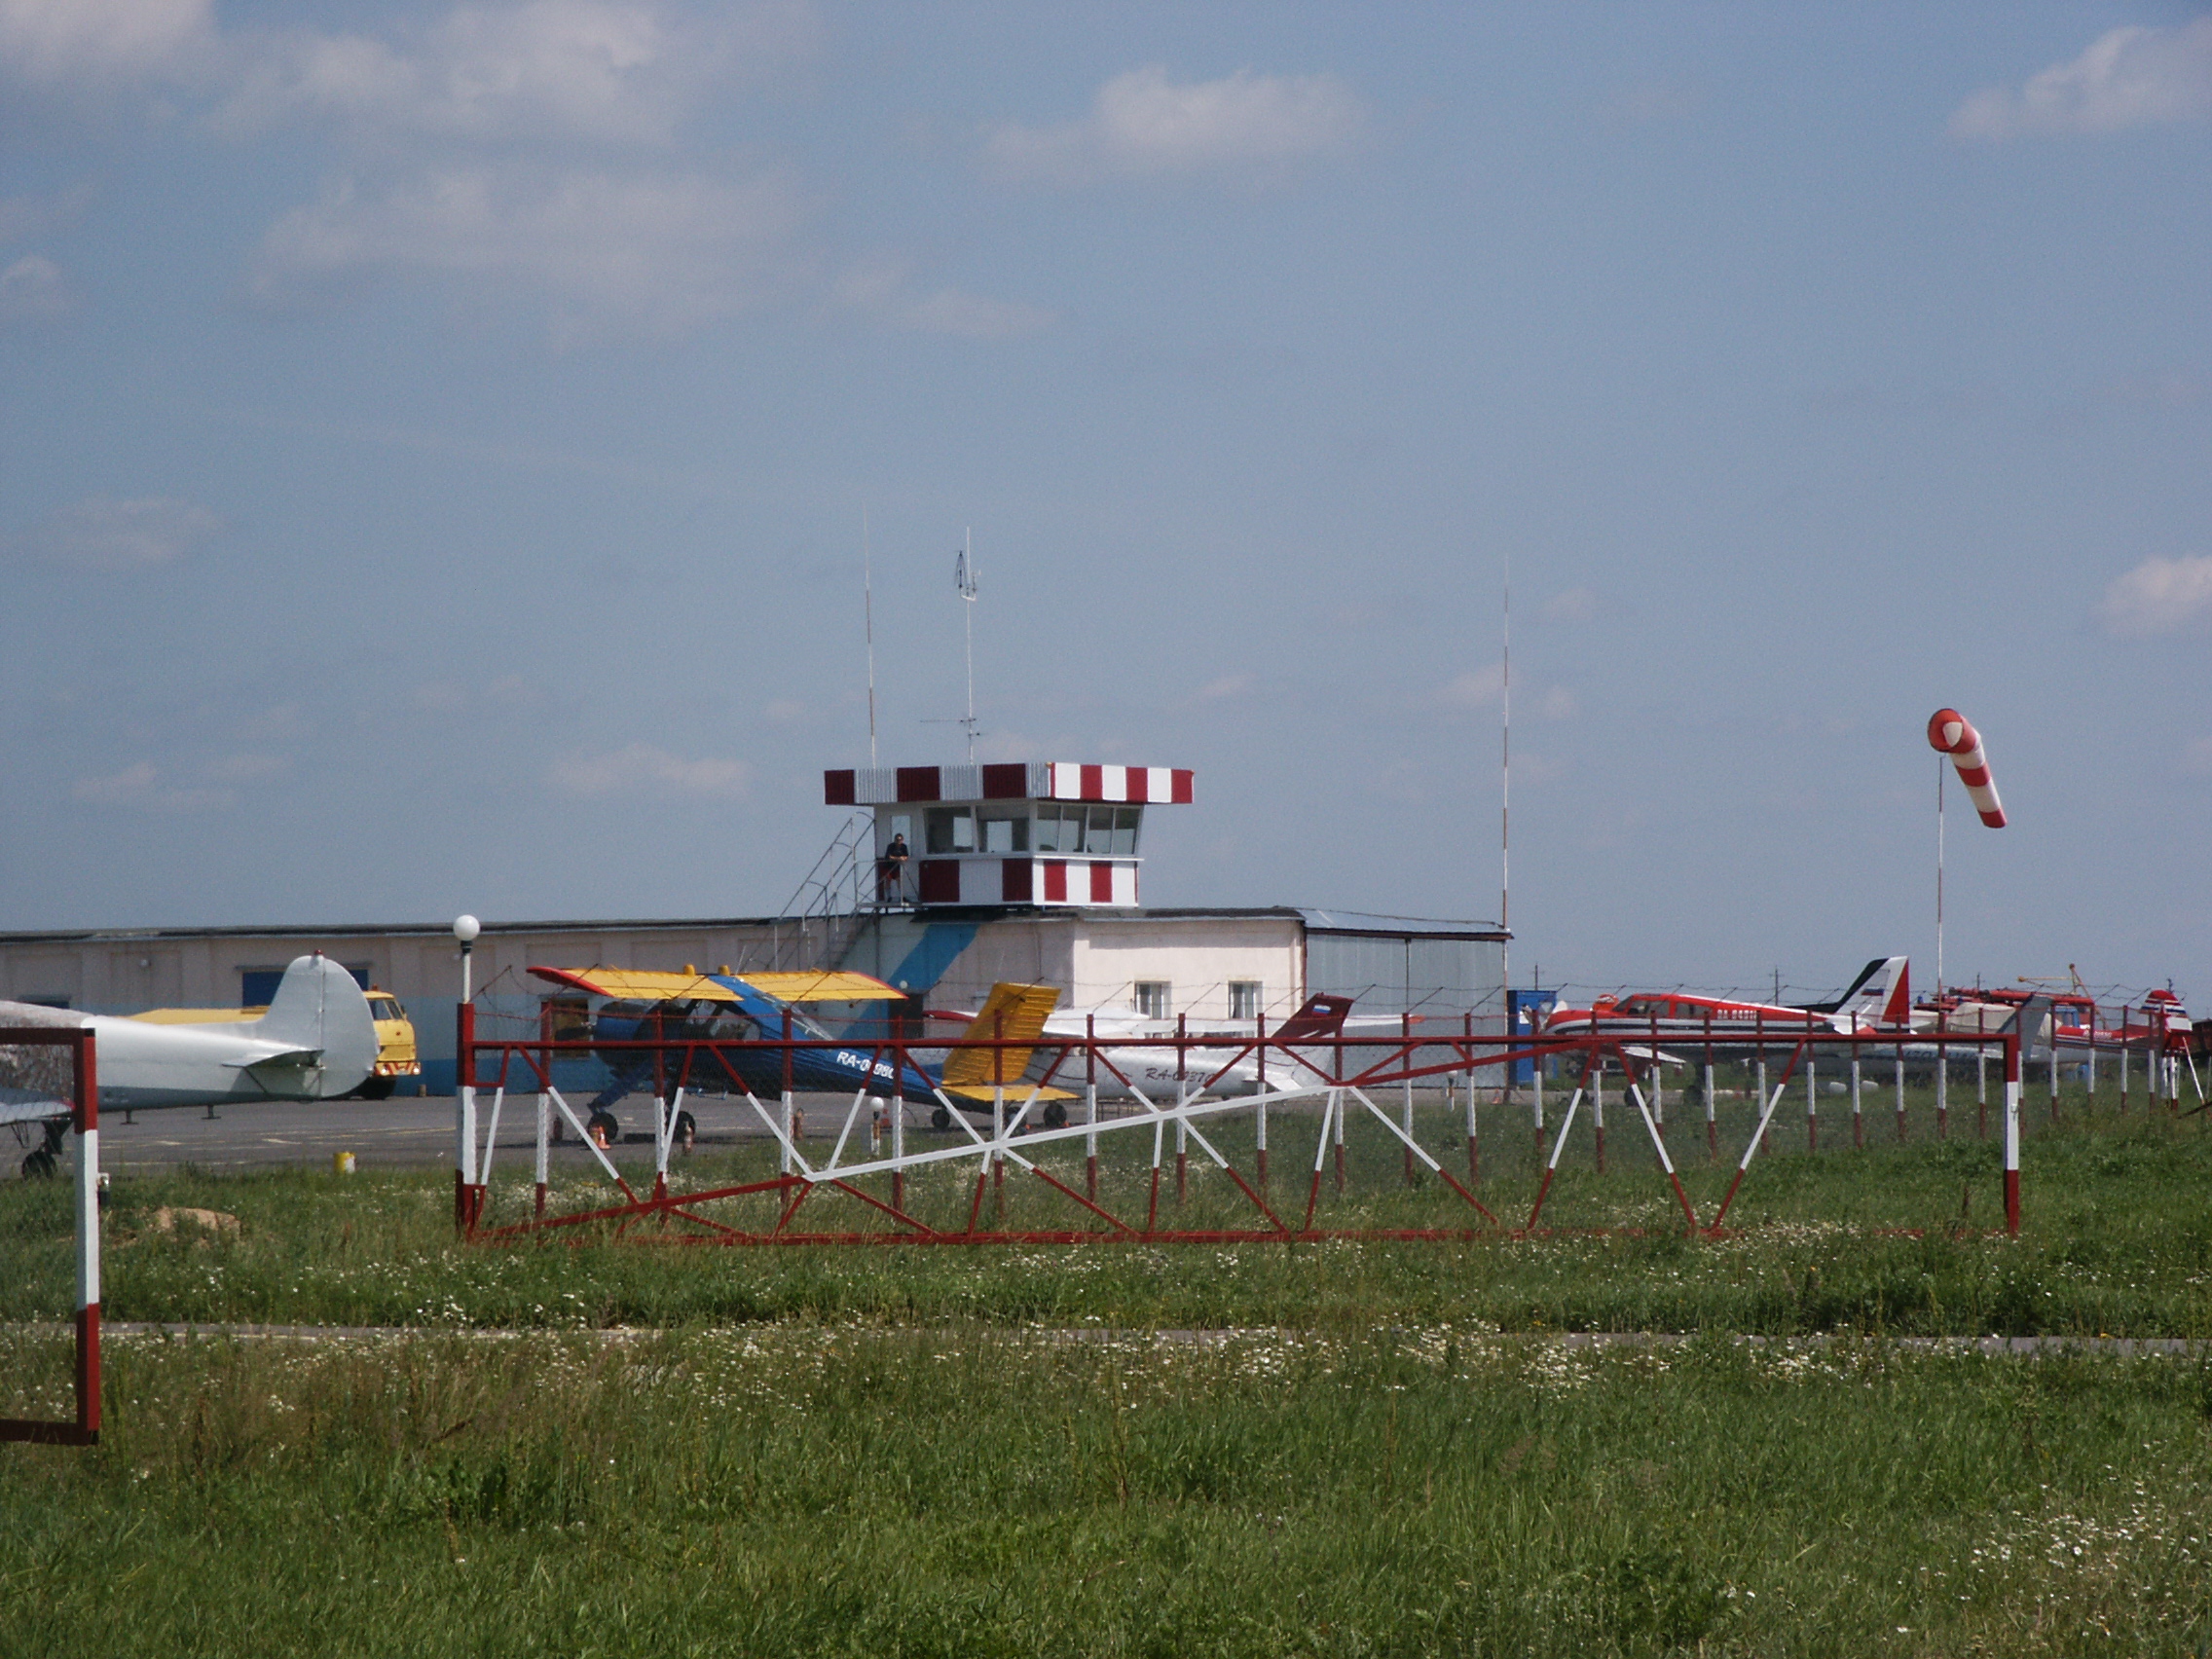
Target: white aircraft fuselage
[(315, 1043)]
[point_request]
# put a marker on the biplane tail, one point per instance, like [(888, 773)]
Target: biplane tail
[(1013, 1013)]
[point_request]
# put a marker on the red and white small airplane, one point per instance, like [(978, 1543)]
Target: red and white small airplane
[(1880, 999)]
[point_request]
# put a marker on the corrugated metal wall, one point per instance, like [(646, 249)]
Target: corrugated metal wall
[(1441, 979), (1408, 973)]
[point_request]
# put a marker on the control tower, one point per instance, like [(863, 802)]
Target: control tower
[(1023, 832)]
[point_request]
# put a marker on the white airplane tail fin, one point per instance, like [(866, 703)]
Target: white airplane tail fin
[(1881, 995), (319, 1008)]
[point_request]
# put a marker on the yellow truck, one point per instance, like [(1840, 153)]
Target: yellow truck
[(396, 1054)]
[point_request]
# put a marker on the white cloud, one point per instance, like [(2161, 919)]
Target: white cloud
[(58, 41), (2160, 595), (664, 252), (103, 535), (32, 286), (1142, 123), (139, 788), (879, 285), (1483, 687), (1478, 688), (2128, 77), (642, 767), (597, 69), (1575, 605)]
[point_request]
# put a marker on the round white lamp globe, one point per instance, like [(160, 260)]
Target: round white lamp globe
[(467, 928)]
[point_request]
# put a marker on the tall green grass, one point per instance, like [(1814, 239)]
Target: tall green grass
[(961, 1490), (2118, 1240)]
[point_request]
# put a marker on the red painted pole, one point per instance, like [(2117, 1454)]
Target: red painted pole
[(2012, 1133), (465, 1079), (1505, 1093), (87, 1113), (1182, 1132), (1260, 1111), (1090, 1106), (1406, 1059)]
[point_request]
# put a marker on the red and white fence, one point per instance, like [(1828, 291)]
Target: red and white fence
[(1310, 1095)]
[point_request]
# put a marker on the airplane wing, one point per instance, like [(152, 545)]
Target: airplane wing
[(638, 984), (654, 985), (833, 986)]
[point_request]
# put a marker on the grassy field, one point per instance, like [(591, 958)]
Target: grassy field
[(601, 1447), (962, 1490)]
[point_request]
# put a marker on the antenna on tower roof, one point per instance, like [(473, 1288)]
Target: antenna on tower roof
[(964, 579), (868, 610)]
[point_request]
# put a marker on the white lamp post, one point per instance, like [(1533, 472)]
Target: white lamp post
[(464, 930)]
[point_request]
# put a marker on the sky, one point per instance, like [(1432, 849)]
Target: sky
[(440, 446)]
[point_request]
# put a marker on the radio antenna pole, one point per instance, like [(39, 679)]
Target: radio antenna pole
[(1505, 788), (964, 579), (868, 610)]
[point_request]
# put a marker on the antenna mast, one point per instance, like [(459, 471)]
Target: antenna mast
[(868, 610), (1505, 789), (964, 579)]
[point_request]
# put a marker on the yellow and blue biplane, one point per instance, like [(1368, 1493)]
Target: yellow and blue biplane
[(652, 1018)]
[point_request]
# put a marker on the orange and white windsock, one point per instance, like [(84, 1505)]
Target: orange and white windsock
[(1949, 732)]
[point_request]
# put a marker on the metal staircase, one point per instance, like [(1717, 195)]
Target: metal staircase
[(818, 922)]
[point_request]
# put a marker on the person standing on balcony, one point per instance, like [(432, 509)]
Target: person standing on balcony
[(891, 870)]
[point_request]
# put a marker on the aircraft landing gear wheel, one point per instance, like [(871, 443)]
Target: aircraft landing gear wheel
[(375, 1088), (686, 1132), (605, 1131), (940, 1119), (1055, 1114)]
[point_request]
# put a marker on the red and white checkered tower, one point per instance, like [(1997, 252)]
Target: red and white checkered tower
[(1023, 832)]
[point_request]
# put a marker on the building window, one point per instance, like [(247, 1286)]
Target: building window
[(1243, 999), (951, 830), (1004, 835), (1153, 997)]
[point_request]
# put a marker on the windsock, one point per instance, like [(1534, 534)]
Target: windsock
[(1949, 732)]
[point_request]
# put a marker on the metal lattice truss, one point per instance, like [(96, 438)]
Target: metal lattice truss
[(1328, 1086)]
